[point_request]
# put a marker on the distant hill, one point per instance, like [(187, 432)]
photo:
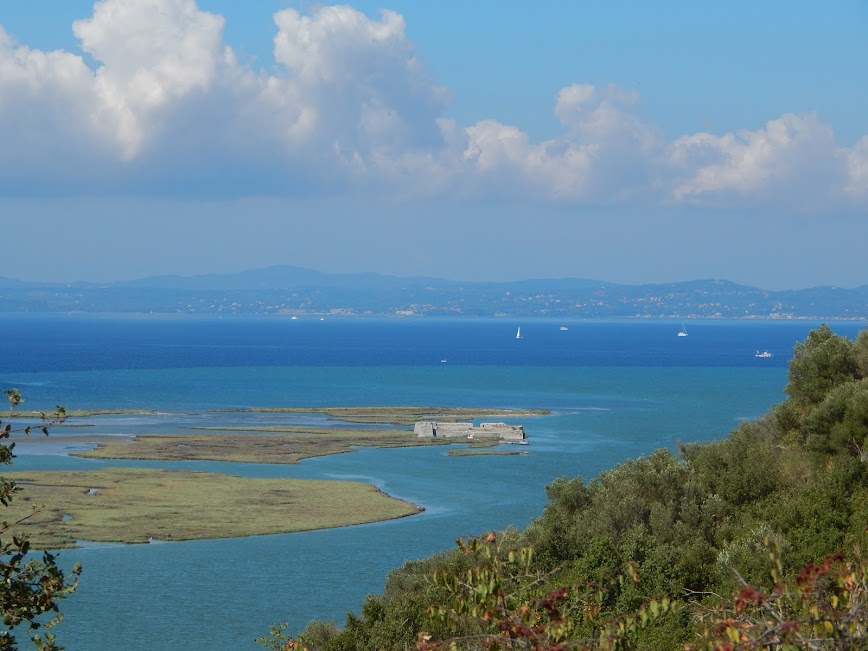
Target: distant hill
[(295, 290), (278, 277)]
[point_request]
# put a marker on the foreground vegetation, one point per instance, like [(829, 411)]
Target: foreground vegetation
[(31, 586), (136, 505), (758, 541)]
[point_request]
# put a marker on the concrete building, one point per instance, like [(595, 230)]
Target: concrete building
[(500, 431)]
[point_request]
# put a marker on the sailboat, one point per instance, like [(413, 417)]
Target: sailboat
[(683, 331), (518, 333)]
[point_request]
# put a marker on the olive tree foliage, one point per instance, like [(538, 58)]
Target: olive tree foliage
[(840, 420), (30, 586), (820, 363), (860, 353), (828, 387)]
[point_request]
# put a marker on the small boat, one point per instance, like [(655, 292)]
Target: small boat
[(294, 318), (443, 361), (683, 331), (518, 333), (765, 354), (564, 328)]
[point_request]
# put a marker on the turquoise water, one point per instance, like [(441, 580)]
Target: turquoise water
[(222, 594)]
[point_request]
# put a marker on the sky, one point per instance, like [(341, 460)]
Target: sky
[(626, 141)]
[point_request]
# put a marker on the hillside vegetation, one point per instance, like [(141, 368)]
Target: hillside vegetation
[(755, 541)]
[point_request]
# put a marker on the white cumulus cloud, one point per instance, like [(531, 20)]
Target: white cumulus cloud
[(152, 52), (167, 108), (793, 155), (606, 152), (48, 115), (352, 88)]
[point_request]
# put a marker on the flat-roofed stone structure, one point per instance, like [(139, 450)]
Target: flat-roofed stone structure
[(501, 431)]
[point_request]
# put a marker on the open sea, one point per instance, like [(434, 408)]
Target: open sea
[(616, 390)]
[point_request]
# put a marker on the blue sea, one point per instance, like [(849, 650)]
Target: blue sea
[(615, 389)]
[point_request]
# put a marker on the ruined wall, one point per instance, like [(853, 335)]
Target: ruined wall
[(467, 430)]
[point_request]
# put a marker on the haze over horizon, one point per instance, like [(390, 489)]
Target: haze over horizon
[(474, 141), (281, 272)]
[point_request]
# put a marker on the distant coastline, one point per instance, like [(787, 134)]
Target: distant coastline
[(303, 293)]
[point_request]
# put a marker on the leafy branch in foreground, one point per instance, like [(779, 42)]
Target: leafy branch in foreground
[(29, 588), (497, 604), (823, 607)]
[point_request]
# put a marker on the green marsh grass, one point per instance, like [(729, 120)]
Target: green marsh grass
[(134, 505)]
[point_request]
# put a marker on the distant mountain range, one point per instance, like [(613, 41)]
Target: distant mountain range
[(294, 290)]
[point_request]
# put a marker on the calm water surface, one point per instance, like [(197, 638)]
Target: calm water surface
[(615, 389)]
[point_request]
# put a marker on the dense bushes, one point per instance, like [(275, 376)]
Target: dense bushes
[(697, 528)]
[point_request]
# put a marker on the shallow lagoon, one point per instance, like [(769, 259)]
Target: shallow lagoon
[(224, 593)]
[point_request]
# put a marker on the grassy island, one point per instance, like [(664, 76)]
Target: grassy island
[(395, 415), (246, 445), (291, 444), (376, 415), (135, 505), (132, 505)]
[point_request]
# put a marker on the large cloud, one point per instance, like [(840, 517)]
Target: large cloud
[(167, 108), (348, 103), (792, 158), (352, 95), (153, 52), (357, 79), (65, 126), (47, 117), (605, 153)]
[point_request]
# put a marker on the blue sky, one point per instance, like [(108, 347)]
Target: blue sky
[(631, 141)]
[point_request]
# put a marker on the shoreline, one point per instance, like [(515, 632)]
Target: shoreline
[(165, 505), (162, 505), (330, 316), (371, 413), (382, 426)]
